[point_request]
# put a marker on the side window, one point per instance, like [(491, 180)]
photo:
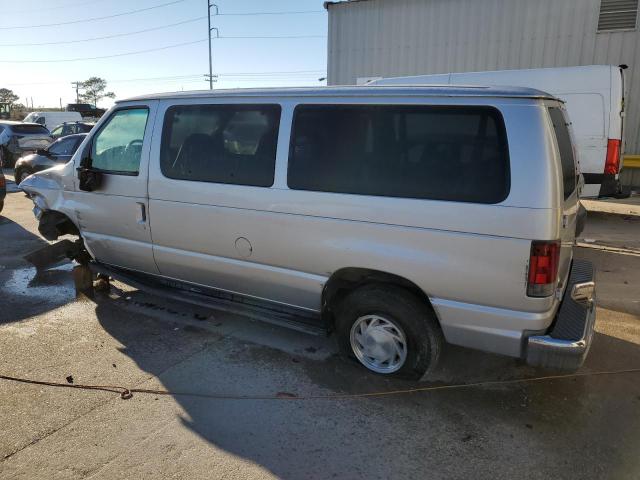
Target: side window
[(117, 147), (64, 146), (40, 120), (57, 131), (233, 144), (430, 152), (560, 126)]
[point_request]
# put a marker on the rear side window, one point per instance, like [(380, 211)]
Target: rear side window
[(561, 128), (233, 144), (27, 129), (428, 152)]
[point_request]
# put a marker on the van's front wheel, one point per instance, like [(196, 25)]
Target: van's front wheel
[(389, 330)]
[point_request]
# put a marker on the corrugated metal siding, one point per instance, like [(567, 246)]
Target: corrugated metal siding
[(410, 37)]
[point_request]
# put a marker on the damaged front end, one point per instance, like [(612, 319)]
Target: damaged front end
[(46, 189)]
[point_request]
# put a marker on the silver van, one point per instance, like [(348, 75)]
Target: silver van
[(399, 218)]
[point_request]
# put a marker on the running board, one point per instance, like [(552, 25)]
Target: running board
[(288, 317)]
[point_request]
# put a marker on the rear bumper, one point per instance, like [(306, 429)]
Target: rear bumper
[(567, 343)]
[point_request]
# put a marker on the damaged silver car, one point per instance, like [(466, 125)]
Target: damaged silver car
[(399, 218)]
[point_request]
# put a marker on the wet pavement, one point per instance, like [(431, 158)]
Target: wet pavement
[(586, 427)]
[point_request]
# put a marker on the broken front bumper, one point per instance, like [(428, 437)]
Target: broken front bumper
[(567, 343)]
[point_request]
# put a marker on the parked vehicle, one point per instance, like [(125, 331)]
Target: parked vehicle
[(70, 128), (5, 110), (51, 119), (18, 138), (3, 188), (58, 152), (86, 110), (594, 99), (397, 217)]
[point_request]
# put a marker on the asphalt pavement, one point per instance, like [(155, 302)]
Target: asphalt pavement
[(585, 427)]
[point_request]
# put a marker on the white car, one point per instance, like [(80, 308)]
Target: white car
[(399, 218)]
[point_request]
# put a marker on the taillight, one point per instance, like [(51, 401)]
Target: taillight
[(612, 165), (543, 268), (3, 182)]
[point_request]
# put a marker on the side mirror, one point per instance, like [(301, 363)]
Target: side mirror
[(90, 179), (43, 152)]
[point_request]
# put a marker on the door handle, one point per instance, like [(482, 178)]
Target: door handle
[(142, 212)]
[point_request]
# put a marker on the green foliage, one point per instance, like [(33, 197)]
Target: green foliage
[(95, 90), (7, 96)]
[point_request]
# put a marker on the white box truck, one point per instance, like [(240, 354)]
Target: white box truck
[(50, 120), (594, 97)]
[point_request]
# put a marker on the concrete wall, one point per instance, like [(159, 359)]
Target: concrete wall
[(373, 38)]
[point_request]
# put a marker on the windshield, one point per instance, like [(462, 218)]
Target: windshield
[(31, 117)]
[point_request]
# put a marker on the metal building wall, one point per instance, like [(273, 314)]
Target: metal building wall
[(369, 38)]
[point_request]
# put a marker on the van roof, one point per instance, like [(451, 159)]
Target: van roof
[(356, 91)]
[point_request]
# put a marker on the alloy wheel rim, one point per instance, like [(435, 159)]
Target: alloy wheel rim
[(379, 343)]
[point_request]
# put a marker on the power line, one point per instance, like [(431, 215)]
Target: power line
[(269, 36), (63, 60), (130, 12), (106, 56), (104, 37), (263, 37), (242, 14), (193, 76), (55, 7)]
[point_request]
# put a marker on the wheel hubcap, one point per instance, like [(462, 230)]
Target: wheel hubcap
[(379, 343)]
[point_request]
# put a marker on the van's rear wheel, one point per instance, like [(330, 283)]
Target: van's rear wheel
[(389, 330)]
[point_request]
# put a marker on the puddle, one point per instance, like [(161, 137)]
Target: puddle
[(54, 285)]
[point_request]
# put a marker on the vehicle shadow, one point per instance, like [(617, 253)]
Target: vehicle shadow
[(556, 428), (25, 292)]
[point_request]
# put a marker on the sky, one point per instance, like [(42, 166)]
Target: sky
[(40, 72)]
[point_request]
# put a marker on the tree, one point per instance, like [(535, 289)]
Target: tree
[(94, 90), (7, 96)]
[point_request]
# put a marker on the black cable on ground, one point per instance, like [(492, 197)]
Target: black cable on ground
[(127, 393)]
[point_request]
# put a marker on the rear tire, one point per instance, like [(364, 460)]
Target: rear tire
[(389, 330)]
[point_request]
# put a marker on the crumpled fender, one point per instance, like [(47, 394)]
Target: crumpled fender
[(46, 190)]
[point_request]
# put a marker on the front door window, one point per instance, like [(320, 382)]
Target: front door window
[(117, 148)]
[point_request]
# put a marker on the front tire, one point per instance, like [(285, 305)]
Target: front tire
[(21, 175), (389, 330)]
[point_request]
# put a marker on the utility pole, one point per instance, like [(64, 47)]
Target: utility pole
[(77, 85), (209, 5)]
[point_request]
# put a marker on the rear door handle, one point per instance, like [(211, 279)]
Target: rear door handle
[(142, 212)]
